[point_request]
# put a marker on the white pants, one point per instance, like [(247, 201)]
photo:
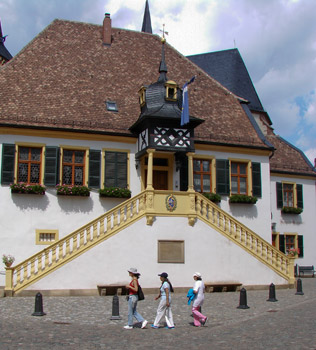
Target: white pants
[(162, 309)]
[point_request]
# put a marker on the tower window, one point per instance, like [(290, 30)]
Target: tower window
[(142, 96), (171, 90)]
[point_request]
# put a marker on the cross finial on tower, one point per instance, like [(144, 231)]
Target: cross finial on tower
[(163, 33)]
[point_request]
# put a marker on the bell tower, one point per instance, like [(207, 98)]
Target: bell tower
[(158, 126), (162, 142)]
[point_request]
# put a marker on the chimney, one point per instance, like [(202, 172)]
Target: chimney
[(107, 30)]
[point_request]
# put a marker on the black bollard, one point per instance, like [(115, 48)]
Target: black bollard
[(299, 289), (272, 293), (115, 308), (243, 299), (38, 305)]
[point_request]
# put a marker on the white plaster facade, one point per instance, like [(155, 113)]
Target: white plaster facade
[(206, 251), (303, 224), (23, 214)]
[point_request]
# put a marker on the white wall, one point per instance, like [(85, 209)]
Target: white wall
[(303, 224), (206, 251), (21, 215)]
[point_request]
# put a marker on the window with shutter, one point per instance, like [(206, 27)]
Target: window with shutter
[(256, 180), (282, 243), (289, 242), (51, 166), (299, 194), (115, 169), (239, 178), (8, 160), (73, 167), (94, 168), (29, 165), (202, 175), (289, 195), (222, 176), (300, 243)]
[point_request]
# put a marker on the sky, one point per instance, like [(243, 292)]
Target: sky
[(276, 39)]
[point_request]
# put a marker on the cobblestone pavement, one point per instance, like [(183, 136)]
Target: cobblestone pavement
[(84, 323)]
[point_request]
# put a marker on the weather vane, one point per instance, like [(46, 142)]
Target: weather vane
[(163, 33)]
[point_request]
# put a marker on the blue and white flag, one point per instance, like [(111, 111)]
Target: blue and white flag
[(185, 117)]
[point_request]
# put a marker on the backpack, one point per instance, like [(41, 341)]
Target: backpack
[(140, 293)]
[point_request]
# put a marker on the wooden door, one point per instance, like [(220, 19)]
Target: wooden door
[(160, 180)]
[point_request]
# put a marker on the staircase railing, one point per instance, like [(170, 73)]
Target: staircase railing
[(211, 214), (71, 246), (113, 221)]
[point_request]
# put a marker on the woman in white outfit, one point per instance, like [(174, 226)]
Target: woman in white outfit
[(164, 306), (198, 290)]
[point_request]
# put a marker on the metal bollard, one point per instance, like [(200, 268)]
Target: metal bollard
[(243, 299), (38, 305), (299, 289), (115, 308), (272, 293)]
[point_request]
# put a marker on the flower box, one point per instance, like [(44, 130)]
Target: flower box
[(214, 197), (293, 252), (291, 210), (115, 192), (242, 198), (76, 190), (24, 188)]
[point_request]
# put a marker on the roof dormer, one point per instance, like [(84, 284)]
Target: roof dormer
[(171, 90)]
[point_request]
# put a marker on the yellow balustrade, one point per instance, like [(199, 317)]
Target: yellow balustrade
[(148, 203), (76, 243), (249, 240)]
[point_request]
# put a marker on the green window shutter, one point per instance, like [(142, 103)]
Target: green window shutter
[(279, 193), (51, 177), (115, 169), (121, 169), (222, 176), (8, 161), (256, 179), (94, 168), (300, 243), (299, 193), (282, 243)]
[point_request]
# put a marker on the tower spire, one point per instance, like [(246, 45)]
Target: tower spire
[(163, 70), (146, 28), (5, 55)]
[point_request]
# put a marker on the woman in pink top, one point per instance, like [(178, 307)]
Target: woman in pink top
[(198, 290)]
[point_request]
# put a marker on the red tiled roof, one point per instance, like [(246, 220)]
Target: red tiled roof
[(288, 159), (63, 77)]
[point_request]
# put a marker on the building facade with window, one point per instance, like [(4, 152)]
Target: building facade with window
[(292, 176), (96, 164)]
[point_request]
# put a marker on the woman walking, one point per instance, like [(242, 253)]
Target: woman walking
[(164, 307), (133, 299), (198, 290)]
